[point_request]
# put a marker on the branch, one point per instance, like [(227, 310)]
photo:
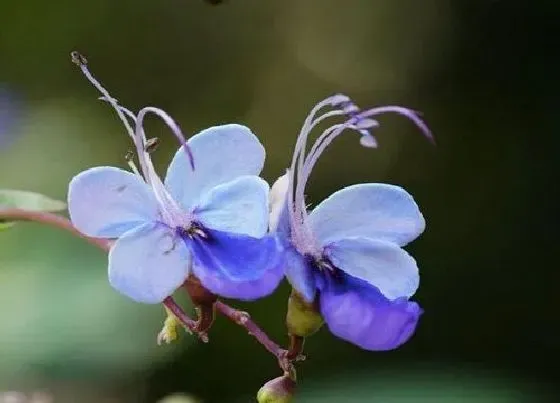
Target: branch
[(244, 320), (51, 219), (241, 318)]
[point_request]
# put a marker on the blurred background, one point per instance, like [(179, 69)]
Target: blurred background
[(481, 71)]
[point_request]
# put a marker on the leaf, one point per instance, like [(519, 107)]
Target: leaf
[(28, 201)]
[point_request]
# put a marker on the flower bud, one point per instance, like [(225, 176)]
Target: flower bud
[(278, 390), (303, 318)]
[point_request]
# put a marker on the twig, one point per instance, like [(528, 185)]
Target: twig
[(51, 219), (244, 320), (190, 325), (241, 318)]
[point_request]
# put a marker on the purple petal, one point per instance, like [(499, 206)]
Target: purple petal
[(358, 313), (148, 263), (221, 154), (106, 202), (382, 264), (239, 206), (242, 290), (224, 261), (372, 210)]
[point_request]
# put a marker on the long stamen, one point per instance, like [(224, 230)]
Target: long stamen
[(408, 113), (175, 129), (172, 210), (360, 122), (328, 135), (81, 62), (299, 149)]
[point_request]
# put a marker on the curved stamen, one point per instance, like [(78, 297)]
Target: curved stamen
[(81, 62), (126, 111), (359, 122), (322, 142), (408, 113), (299, 149), (170, 209), (175, 129)]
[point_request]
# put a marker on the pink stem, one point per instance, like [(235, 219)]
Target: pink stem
[(239, 317)]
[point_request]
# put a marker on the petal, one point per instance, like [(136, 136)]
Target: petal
[(359, 314), (278, 203), (382, 264), (239, 206), (242, 290), (372, 210), (300, 274), (221, 154), (106, 202), (148, 263), (237, 266)]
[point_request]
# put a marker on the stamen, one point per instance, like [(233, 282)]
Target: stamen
[(126, 111), (81, 62), (408, 113), (175, 129), (129, 157), (151, 145), (301, 143), (360, 122)]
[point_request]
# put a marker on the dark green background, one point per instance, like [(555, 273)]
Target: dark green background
[(484, 74)]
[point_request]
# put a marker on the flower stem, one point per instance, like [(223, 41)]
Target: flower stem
[(55, 220), (190, 325), (244, 320), (239, 317)]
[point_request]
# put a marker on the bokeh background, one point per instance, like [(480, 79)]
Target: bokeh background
[(481, 71)]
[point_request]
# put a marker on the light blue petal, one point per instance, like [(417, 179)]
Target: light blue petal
[(221, 154), (239, 206), (148, 263), (106, 202), (382, 264), (372, 210), (300, 274)]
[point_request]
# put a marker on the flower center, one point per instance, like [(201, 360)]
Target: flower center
[(325, 266), (194, 229)]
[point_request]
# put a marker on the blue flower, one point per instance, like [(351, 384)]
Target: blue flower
[(347, 253), (208, 218)]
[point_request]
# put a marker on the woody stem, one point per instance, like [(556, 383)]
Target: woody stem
[(241, 318)]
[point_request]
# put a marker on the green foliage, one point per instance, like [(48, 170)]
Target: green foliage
[(28, 201)]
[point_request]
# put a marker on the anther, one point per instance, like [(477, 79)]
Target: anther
[(151, 145), (78, 58), (129, 156)]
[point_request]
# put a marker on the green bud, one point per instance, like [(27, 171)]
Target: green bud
[(278, 390), (303, 319)]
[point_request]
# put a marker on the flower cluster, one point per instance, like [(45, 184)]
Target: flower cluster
[(214, 223)]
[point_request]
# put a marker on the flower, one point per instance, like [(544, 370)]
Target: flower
[(347, 253), (208, 218)]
